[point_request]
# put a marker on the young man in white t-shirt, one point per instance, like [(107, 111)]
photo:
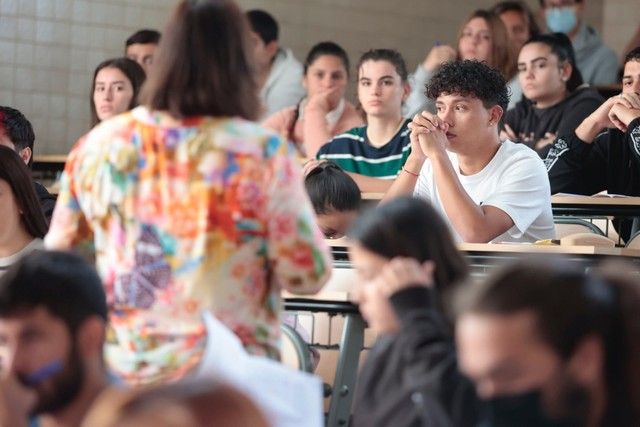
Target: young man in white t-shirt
[(487, 190)]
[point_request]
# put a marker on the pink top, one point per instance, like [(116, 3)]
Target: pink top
[(314, 129)]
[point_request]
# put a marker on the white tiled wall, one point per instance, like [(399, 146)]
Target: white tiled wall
[(48, 51), (49, 48)]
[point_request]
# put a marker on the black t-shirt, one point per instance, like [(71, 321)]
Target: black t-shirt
[(560, 119)]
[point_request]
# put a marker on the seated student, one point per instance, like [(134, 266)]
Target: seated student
[(548, 345), (141, 47), (597, 63), (374, 154), (406, 265), (324, 112), (604, 151), (519, 21), (278, 72), (23, 225), (482, 37), (555, 99), (487, 189), (16, 133), (115, 88), (53, 313), (334, 195)]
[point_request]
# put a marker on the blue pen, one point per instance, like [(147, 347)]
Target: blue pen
[(45, 372)]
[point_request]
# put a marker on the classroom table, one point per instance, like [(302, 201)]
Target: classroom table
[(589, 206)]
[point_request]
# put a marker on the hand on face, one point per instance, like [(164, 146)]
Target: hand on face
[(325, 99), (401, 273), (16, 401), (439, 55), (428, 132)]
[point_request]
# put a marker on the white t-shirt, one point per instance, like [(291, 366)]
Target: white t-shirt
[(515, 181)]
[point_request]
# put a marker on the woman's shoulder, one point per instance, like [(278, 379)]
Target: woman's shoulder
[(280, 118)]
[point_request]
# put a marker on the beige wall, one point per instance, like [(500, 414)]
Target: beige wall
[(48, 51), (621, 18), (49, 48)]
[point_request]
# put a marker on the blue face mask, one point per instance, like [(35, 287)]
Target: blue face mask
[(561, 19), (523, 410)]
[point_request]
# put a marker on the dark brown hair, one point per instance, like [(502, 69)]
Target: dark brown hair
[(502, 56), (560, 45), (410, 227), (391, 56), (569, 306), (203, 64), (16, 174), (523, 9), (131, 69)]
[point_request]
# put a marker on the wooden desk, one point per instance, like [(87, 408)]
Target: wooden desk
[(583, 206), (50, 158), (586, 206), (372, 196), (46, 168), (483, 258)]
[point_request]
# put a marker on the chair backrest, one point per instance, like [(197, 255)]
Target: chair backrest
[(634, 241), (295, 352), (570, 225)]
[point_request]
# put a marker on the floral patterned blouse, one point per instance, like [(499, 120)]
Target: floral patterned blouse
[(183, 216)]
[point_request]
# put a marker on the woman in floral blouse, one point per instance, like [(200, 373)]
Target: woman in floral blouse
[(188, 206)]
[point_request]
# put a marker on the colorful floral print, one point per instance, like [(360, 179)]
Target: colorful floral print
[(182, 217)]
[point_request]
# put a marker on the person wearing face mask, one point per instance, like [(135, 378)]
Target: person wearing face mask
[(548, 345), (597, 62)]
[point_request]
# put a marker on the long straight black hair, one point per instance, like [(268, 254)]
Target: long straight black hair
[(17, 175)]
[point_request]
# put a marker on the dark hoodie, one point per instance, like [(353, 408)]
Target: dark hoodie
[(611, 162), (559, 119), (411, 378)]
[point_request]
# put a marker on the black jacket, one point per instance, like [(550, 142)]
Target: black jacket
[(611, 162), (47, 200), (411, 378)]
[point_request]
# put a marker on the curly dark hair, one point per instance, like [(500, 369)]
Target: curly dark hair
[(470, 78)]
